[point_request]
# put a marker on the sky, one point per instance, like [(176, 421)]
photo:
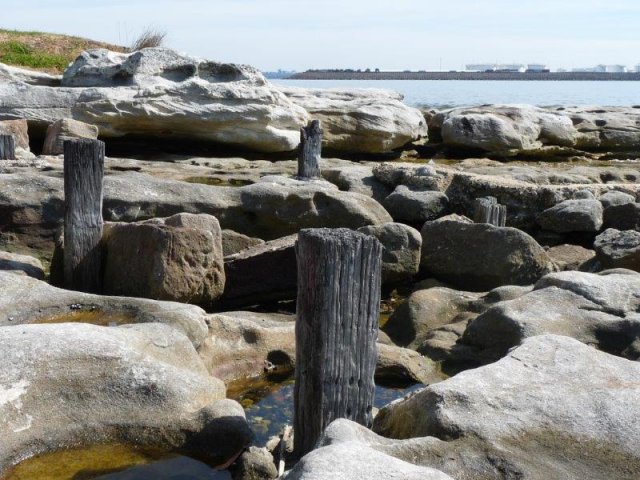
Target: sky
[(389, 34)]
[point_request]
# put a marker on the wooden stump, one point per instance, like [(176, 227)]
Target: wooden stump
[(7, 147), (310, 150), (488, 210), (83, 174), (338, 306)]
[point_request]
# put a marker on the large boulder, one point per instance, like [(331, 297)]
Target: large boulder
[(553, 408), (479, 256), (66, 129), (415, 205), (169, 95), (596, 309), (140, 385), (371, 121), (401, 246), (177, 259), (582, 215), (618, 249)]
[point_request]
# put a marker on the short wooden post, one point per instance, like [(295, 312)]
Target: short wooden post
[(488, 210), (338, 305), (7, 147), (83, 175), (310, 150)]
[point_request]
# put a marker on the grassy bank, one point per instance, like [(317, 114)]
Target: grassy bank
[(46, 52)]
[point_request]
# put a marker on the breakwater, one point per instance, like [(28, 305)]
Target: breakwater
[(542, 76)]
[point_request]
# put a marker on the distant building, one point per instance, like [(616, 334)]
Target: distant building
[(602, 69), (279, 74), (494, 67), (537, 67), (638, 68), (615, 68)]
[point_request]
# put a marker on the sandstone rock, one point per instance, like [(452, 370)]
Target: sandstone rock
[(415, 206), (402, 367), (401, 246), (185, 97), (23, 264), (9, 73), (623, 217), (615, 197), (177, 260), (572, 216), (254, 464), (570, 257), (368, 121), (234, 242), (262, 273), (66, 129), (618, 249), (478, 257), (358, 179), (553, 408), (82, 385), (19, 129), (410, 174), (595, 309), (426, 310), (46, 304)]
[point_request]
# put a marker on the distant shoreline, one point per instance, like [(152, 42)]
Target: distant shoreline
[(527, 76)]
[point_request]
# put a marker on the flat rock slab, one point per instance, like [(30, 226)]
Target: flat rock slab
[(553, 408)]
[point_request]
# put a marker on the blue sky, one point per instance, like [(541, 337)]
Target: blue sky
[(389, 34)]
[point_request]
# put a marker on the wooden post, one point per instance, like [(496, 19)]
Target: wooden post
[(488, 210), (7, 147), (310, 150), (83, 174), (338, 305)]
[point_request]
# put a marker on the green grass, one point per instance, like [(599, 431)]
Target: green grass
[(19, 53)]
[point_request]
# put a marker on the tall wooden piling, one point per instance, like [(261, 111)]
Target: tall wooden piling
[(338, 307), (310, 150), (7, 147), (83, 175)]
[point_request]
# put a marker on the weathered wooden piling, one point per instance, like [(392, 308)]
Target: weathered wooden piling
[(7, 147), (83, 175), (310, 150), (338, 306), (488, 210)]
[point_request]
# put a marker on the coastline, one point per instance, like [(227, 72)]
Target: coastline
[(500, 76)]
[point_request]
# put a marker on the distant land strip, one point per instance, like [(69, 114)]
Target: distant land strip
[(543, 76)]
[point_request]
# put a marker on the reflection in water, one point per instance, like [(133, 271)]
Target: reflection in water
[(269, 404)]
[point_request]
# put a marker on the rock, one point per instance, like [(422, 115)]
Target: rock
[(19, 129), (401, 246), (553, 408), (234, 242), (83, 385), (423, 177), (623, 217), (175, 259), (23, 264), (572, 216), (618, 249), (166, 94), (615, 197), (478, 256), (358, 179), (426, 310), (355, 460), (239, 343), (584, 195), (66, 129), (260, 274), (366, 121), (505, 130), (47, 304), (403, 367), (570, 257), (10, 73), (596, 309), (254, 464), (415, 206)]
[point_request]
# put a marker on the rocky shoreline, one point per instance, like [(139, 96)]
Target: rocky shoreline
[(526, 336)]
